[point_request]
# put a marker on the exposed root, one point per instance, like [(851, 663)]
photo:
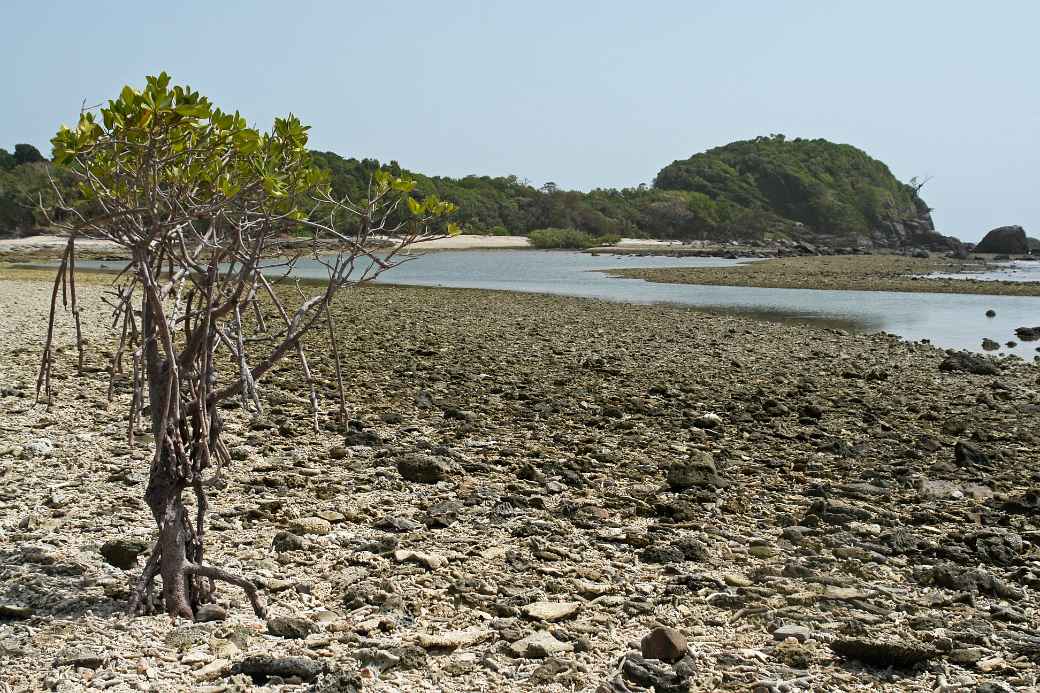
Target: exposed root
[(248, 587)]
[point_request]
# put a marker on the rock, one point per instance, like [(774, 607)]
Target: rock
[(973, 580), (13, 612), (660, 677), (991, 313), (697, 470), (41, 447), (210, 612), (666, 644), (964, 453), (287, 541), (291, 627), (123, 553), (710, 421), (310, 525), (423, 469), (799, 633), (550, 611), (337, 682), (213, 670), (539, 645), (453, 639), (362, 438), (79, 657), (968, 362), (1028, 334), (901, 655), (1007, 240), (431, 561), (990, 345), (262, 667)]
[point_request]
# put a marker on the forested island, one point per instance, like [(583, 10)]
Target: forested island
[(766, 189)]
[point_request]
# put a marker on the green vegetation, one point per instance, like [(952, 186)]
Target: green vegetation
[(571, 239), (833, 189), (765, 188)]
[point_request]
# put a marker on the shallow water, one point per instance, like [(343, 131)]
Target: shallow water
[(1014, 271), (947, 320)]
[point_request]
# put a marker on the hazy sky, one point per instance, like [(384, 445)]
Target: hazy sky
[(585, 94)]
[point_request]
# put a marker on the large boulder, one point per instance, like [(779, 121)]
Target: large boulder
[(1006, 240), (1034, 245)]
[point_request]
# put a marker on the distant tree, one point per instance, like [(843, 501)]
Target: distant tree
[(7, 160), (27, 154), (203, 205)]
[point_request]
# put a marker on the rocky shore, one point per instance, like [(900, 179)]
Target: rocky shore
[(843, 272), (539, 493)]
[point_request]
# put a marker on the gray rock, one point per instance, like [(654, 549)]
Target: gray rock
[(970, 363), (310, 525), (964, 453), (13, 612), (799, 633), (423, 469), (901, 655), (697, 470), (292, 627), (123, 553), (666, 644), (287, 541), (1006, 240), (79, 657), (41, 447), (210, 612), (262, 667), (550, 611), (539, 645)]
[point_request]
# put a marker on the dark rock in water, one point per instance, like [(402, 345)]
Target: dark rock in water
[(1004, 240), (292, 627), (991, 313), (1028, 334), (901, 655), (1034, 245), (123, 553), (666, 644), (262, 667), (990, 345), (970, 363), (424, 469), (967, 454)]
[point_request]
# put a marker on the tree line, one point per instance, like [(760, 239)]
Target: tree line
[(768, 187)]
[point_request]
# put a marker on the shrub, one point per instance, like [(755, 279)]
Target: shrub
[(571, 239)]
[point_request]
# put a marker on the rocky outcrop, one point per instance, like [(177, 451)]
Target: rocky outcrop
[(1005, 240), (1034, 245)]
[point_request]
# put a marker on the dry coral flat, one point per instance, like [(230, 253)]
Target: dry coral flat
[(543, 493)]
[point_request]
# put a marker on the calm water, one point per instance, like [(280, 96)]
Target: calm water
[(1015, 271), (948, 320)]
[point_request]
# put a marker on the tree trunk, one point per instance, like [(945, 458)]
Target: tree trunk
[(177, 555)]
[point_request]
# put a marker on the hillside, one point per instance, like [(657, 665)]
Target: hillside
[(763, 189), (835, 191)]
